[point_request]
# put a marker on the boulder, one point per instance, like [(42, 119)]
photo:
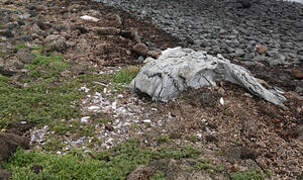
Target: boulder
[(56, 43), (24, 55), (9, 143), (178, 69), (141, 49)]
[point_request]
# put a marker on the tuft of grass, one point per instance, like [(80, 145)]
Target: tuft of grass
[(125, 75), (192, 139), (121, 78), (158, 175), (20, 46), (46, 66), (162, 139), (205, 164), (113, 164), (250, 174)]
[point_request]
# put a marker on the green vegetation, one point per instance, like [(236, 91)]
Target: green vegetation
[(46, 66), (121, 78), (20, 46), (38, 103), (158, 175), (205, 164), (125, 75), (162, 139), (192, 139), (112, 164), (251, 174)]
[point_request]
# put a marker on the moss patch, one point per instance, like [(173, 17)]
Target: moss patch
[(113, 164), (38, 103), (250, 174)]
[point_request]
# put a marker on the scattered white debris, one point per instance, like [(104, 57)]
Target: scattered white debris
[(37, 135), (85, 119), (147, 121), (89, 18), (221, 101), (199, 135), (85, 89), (248, 95), (23, 122), (169, 115), (94, 108), (114, 105)]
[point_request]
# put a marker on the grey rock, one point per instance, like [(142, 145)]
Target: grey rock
[(239, 52), (9, 68), (56, 43), (178, 69), (24, 55)]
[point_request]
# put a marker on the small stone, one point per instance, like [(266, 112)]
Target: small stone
[(141, 59), (56, 42), (43, 26), (154, 53), (239, 52), (24, 55), (297, 73), (141, 49), (133, 34), (93, 108), (23, 122), (89, 18), (147, 121), (261, 49), (85, 119), (109, 127), (221, 101)]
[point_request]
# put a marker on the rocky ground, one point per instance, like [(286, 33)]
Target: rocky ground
[(267, 37), (64, 91)]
